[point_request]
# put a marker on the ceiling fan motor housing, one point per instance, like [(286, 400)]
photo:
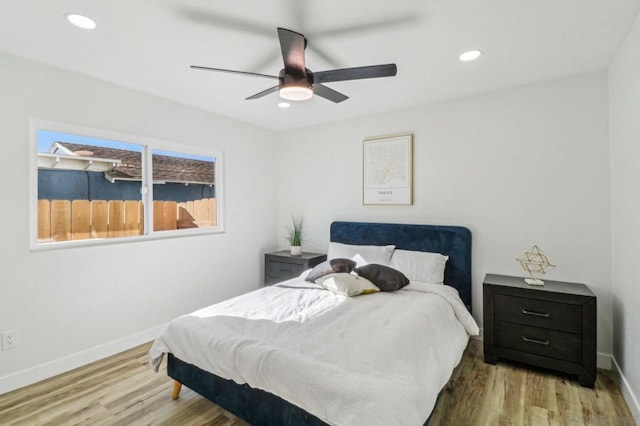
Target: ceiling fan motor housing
[(300, 80), (296, 86)]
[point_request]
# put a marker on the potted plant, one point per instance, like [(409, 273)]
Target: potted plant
[(295, 236)]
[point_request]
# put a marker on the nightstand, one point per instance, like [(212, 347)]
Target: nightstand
[(281, 266), (551, 326)]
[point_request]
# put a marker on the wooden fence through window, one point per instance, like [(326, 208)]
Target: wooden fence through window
[(64, 220)]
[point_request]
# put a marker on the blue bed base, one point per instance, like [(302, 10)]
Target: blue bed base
[(261, 408)]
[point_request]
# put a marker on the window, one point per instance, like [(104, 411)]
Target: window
[(92, 188), (183, 191)]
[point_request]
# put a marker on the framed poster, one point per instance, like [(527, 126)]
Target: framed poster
[(388, 170)]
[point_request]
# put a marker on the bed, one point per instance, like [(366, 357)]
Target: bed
[(296, 378)]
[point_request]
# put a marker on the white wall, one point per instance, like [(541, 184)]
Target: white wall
[(624, 94), (80, 301), (523, 166)]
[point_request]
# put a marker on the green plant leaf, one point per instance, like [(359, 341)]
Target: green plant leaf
[(295, 231)]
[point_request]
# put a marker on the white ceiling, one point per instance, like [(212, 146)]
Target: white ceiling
[(149, 45)]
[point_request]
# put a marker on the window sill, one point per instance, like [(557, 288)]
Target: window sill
[(159, 235)]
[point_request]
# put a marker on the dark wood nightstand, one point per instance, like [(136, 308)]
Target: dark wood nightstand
[(281, 266), (551, 326)]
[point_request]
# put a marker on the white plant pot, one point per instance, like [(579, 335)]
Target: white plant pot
[(296, 250)]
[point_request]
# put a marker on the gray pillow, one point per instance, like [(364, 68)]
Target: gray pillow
[(384, 277), (333, 266)]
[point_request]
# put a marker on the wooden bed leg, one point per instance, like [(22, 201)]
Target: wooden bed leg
[(176, 390)]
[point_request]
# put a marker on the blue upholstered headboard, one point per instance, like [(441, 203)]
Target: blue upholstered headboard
[(452, 241)]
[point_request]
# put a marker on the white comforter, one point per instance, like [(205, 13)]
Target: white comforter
[(375, 359)]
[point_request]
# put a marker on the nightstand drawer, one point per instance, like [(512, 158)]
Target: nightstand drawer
[(281, 266), (283, 270), (539, 313), (540, 341)]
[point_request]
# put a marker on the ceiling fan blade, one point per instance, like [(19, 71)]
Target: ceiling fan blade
[(251, 74), (212, 19), (292, 45), (373, 71), (328, 93), (269, 60), (353, 28), (322, 54), (263, 93)]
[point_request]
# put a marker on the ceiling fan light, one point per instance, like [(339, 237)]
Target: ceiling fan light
[(296, 93)]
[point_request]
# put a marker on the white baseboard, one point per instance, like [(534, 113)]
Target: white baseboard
[(627, 392), (603, 361), (479, 336), (49, 369)]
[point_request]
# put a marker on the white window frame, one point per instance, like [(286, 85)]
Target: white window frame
[(149, 145)]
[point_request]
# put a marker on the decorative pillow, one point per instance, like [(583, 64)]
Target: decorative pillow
[(347, 284), (384, 277), (363, 255), (332, 266), (420, 265)]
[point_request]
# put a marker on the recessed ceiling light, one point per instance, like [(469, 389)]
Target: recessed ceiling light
[(470, 55), (81, 21), (284, 104)]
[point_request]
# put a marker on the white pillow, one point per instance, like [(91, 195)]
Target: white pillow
[(363, 255), (420, 265), (347, 284)]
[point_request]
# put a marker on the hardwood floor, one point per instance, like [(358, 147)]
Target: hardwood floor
[(511, 394), (122, 390)]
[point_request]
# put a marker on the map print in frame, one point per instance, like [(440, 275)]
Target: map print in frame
[(388, 170)]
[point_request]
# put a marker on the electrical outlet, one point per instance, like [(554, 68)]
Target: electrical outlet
[(9, 340)]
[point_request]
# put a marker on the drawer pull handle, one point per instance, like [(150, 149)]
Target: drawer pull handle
[(540, 342), (537, 314), (288, 271)]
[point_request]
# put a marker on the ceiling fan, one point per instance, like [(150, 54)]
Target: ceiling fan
[(296, 82)]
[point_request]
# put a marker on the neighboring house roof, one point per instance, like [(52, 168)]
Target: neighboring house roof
[(128, 164)]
